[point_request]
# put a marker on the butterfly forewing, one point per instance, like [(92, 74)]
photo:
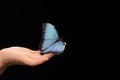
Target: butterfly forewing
[(50, 35)]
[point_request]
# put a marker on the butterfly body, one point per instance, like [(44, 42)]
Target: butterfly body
[(51, 43)]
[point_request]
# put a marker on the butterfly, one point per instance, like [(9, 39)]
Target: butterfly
[(50, 42)]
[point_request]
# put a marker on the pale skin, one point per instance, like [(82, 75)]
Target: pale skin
[(21, 56)]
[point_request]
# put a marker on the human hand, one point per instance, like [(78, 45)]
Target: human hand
[(23, 56)]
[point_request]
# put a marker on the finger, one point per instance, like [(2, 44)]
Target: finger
[(44, 58), (36, 52), (48, 55), (36, 61)]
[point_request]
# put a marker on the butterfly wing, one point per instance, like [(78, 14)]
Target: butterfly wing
[(50, 36), (56, 48)]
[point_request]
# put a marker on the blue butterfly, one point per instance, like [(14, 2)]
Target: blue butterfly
[(51, 41)]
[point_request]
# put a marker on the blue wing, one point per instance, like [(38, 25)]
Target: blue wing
[(50, 36), (56, 48)]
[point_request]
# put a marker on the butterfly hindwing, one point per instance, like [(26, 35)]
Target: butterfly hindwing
[(50, 35), (56, 48)]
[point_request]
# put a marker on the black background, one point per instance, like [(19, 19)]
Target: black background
[(80, 24), (21, 26)]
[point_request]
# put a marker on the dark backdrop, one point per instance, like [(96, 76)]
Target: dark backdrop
[(21, 26), (80, 23)]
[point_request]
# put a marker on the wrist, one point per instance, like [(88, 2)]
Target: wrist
[(2, 65), (3, 60), (6, 59)]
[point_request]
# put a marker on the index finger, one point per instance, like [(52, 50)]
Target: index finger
[(48, 55)]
